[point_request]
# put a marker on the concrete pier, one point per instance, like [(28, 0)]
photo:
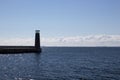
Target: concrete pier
[(23, 49)]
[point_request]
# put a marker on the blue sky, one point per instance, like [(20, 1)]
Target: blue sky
[(59, 18)]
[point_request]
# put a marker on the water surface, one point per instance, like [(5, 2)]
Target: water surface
[(63, 63)]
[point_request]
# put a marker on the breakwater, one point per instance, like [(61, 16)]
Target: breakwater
[(23, 49)]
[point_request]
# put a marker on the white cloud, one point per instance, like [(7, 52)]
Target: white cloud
[(90, 40), (16, 41)]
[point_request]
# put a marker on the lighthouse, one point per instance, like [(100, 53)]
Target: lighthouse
[(37, 40)]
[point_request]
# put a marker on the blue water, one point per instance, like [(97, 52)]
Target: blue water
[(63, 63)]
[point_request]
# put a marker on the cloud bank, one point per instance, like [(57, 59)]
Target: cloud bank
[(89, 40)]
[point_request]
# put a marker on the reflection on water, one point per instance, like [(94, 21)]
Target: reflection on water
[(62, 64)]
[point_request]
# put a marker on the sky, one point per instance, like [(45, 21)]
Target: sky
[(61, 22)]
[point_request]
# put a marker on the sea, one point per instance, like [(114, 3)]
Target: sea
[(62, 63)]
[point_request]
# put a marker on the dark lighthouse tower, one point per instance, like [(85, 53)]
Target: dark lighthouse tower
[(37, 41)]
